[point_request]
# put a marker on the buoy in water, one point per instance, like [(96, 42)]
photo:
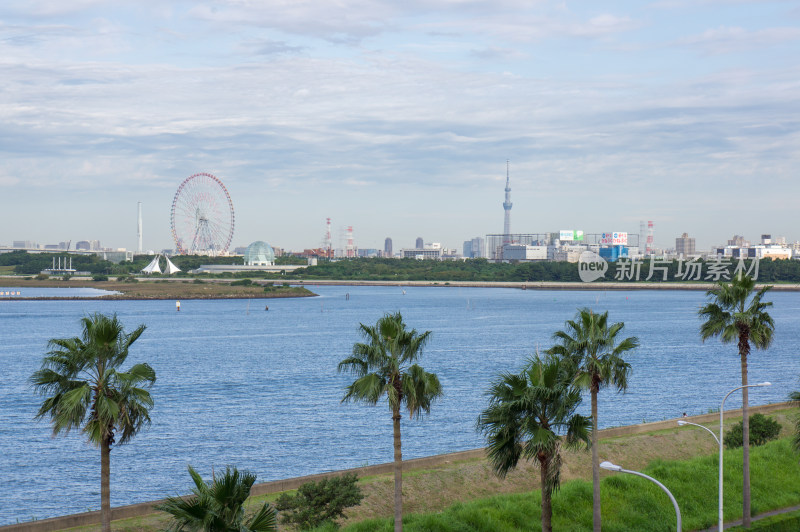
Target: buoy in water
[(177, 306), (266, 308)]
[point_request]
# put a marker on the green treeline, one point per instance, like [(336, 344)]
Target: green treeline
[(24, 263), (385, 269)]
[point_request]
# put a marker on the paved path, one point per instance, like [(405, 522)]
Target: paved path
[(738, 522)]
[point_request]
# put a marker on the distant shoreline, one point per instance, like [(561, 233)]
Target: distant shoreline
[(147, 290), (537, 285), (177, 289), (180, 288)]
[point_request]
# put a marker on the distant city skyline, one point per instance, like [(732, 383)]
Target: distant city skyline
[(397, 119)]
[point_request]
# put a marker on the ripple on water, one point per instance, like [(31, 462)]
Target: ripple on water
[(260, 390)]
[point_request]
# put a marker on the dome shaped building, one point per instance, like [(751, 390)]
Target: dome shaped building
[(259, 253)]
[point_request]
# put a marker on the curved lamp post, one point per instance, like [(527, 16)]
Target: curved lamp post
[(719, 439), (682, 423), (613, 467), (721, 411)]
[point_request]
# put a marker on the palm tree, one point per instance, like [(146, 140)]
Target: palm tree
[(218, 506), (590, 344), (525, 414), (85, 388), (384, 365), (736, 313)]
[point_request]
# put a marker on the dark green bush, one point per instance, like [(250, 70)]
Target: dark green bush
[(42, 277), (198, 281), (99, 277), (319, 502), (762, 430), (242, 282)]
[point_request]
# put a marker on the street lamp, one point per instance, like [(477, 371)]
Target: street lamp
[(613, 467), (682, 423), (719, 440)]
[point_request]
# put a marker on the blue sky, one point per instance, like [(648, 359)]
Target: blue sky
[(397, 118)]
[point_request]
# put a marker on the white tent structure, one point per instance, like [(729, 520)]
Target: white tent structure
[(153, 267), (171, 268)]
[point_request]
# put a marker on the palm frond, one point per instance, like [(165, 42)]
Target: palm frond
[(420, 389), (367, 389)]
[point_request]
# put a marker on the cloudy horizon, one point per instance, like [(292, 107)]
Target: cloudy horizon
[(397, 118)]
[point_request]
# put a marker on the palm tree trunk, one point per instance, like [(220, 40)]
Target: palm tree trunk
[(105, 484), (595, 464), (547, 508), (398, 474), (745, 446)]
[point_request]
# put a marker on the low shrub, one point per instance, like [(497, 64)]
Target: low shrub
[(99, 277), (320, 502), (242, 282), (42, 277), (762, 430)]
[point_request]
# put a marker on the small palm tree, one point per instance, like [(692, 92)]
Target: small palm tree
[(218, 506), (526, 413), (86, 388), (736, 313), (384, 366), (590, 344)]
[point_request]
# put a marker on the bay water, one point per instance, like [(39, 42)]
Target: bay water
[(258, 389)]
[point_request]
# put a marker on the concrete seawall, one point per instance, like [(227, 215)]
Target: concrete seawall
[(145, 508), (532, 285)]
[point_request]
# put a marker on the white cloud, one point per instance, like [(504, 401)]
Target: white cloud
[(725, 39), (425, 101)]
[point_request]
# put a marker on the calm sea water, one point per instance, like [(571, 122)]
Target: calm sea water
[(238, 385)]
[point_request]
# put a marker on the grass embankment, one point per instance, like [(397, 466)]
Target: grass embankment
[(630, 503), (486, 502), (166, 289)]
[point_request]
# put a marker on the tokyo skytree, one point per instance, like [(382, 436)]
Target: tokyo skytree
[(507, 208)]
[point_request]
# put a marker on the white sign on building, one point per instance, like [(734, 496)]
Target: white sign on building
[(614, 239), (569, 235)]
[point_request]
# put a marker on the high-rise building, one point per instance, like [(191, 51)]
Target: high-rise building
[(684, 245), (420, 243), (739, 241), (387, 247), (475, 248)]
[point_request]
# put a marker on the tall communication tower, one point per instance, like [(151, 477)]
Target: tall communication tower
[(507, 208), (350, 249), (650, 246), (139, 230), (328, 244)]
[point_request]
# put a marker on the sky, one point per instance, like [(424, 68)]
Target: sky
[(397, 118)]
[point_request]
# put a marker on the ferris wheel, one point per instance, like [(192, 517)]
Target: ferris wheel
[(202, 216)]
